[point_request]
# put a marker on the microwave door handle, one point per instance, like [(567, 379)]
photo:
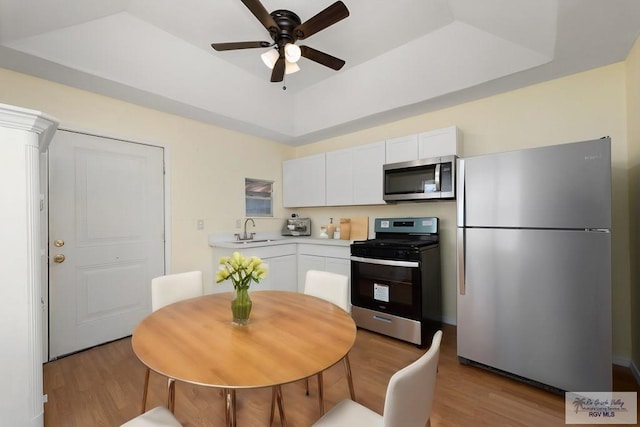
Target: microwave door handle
[(437, 177)]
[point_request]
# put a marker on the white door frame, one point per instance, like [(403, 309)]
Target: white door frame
[(44, 219)]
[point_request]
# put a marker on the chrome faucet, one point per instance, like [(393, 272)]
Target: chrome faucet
[(250, 236)]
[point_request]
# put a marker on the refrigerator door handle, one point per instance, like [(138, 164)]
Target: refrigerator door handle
[(437, 177), (460, 191), (460, 249)]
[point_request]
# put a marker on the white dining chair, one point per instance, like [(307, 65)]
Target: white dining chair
[(156, 417), (166, 290), (334, 288), (408, 401)]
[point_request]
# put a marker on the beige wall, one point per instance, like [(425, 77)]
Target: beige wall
[(633, 135), (208, 164), (584, 106)]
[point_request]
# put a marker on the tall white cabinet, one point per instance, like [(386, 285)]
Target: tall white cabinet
[(24, 135)]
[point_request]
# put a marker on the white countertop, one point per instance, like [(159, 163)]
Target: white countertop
[(223, 240)]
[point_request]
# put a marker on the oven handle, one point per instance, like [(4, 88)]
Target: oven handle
[(393, 263)]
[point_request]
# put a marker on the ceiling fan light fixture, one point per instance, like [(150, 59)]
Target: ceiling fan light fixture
[(292, 52), (285, 28), (291, 67), (270, 57)]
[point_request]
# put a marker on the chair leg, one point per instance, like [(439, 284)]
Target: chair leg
[(347, 368), (234, 415), (273, 404), (171, 394), (320, 393), (229, 407), (146, 390), (283, 420), (276, 396)]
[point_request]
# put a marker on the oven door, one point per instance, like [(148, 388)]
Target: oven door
[(387, 286)]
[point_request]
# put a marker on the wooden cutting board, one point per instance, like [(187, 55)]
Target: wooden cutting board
[(359, 228)]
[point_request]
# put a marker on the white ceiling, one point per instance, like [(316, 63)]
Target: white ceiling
[(403, 57)]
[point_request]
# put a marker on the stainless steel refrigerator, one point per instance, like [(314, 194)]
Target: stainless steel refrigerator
[(534, 264)]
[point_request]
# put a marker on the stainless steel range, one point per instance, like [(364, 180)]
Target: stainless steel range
[(395, 279)]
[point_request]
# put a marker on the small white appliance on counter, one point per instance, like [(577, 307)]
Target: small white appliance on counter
[(296, 226)]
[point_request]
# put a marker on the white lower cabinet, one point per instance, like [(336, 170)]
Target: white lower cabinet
[(339, 266), (281, 267), (282, 273), (287, 264), (334, 259)]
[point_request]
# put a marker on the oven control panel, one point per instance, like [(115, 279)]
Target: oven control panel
[(365, 250), (421, 225)]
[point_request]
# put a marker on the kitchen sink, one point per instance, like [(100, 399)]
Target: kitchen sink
[(244, 242)]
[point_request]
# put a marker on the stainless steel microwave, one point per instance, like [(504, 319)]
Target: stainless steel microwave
[(422, 179)]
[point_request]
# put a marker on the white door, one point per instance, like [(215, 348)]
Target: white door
[(106, 238)]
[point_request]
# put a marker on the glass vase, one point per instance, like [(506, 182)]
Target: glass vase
[(241, 307)]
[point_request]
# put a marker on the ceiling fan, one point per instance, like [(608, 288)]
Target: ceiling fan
[(285, 28)]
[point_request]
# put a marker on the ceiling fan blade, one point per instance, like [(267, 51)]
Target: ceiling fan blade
[(332, 14), (277, 75), (321, 57), (239, 45), (263, 16)]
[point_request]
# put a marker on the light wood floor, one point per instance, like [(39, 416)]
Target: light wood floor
[(103, 387)]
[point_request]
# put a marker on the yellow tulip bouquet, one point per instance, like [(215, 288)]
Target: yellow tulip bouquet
[(242, 271)]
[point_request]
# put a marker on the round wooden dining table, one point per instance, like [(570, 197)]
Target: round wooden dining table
[(290, 336)]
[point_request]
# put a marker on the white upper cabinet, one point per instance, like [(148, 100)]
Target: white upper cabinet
[(402, 149), (439, 142), (354, 175), (425, 145), (340, 177), (304, 181), (367, 174)]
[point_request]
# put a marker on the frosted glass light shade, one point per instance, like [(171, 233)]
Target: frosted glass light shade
[(270, 57), (291, 67), (292, 52)]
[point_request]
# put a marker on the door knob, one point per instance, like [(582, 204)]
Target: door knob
[(58, 243), (59, 258)]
